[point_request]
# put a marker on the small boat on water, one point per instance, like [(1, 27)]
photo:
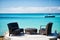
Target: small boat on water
[(49, 16)]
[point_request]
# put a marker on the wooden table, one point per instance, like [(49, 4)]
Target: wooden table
[(30, 30)]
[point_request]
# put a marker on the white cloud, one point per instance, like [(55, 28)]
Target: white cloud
[(30, 10)]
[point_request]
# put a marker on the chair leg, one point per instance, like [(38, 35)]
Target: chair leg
[(9, 34)]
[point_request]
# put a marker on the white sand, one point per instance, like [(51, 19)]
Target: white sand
[(28, 37)]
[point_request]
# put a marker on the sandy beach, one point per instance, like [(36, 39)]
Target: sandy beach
[(29, 37)]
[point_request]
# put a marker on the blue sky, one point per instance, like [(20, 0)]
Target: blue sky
[(30, 6)]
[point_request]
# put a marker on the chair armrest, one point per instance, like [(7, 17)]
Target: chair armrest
[(21, 30), (18, 31), (42, 26)]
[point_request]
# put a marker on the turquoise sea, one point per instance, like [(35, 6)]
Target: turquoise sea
[(29, 20)]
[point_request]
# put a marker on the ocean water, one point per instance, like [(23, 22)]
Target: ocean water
[(33, 20)]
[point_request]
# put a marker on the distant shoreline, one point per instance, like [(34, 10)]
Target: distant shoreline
[(33, 13)]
